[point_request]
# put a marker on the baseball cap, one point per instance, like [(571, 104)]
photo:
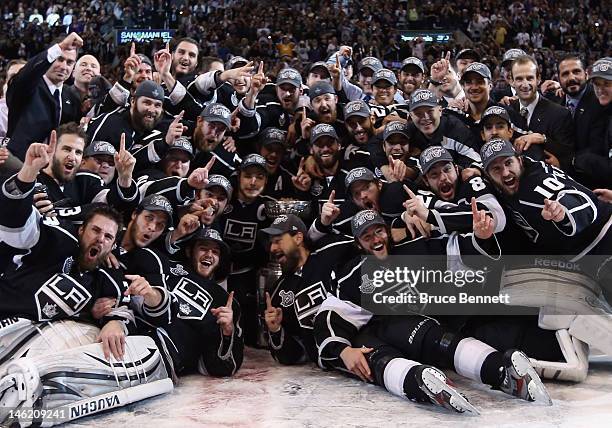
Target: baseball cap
[(512, 54), (99, 148), (285, 224), (478, 68), (356, 108), (145, 59), (370, 62), (384, 74), (494, 149), (216, 112), (235, 62), (495, 111), (210, 234), (150, 89), (320, 88), (423, 97), (468, 53), (182, 144), (412, 60), (364, 219), (217, 180), (157, 202), (322, 130), (395, 127), (289, 75), (601, 68), (358, 174), (254, 159), (271, 136), (320, 64), (432, 155)]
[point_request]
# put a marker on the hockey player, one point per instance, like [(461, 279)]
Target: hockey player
[(546, 203), (205, 335), (76, 190), (44, 287), (304, 285), (244, 216), (99, 158), (282, 182), (448, 208), (435, 129), (377, 349)]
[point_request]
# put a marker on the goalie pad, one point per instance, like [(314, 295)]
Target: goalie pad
[(81, 382), (576, 365), (565, 291), (20, 336)]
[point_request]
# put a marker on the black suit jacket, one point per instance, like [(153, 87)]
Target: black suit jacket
[(31, 106), (589, 123), (556, 123)]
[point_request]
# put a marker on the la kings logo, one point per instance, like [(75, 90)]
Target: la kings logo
[(194, 302), (307, 302), (61, 296)]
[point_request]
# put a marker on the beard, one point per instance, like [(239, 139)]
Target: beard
[(201, 143), (58, 171), (290, 264), (138, 119), (89, 258), (328, 162)]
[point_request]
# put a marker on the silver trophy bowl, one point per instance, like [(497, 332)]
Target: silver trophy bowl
[(274, 209)]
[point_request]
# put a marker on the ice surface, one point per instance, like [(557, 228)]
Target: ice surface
[(266, 394)]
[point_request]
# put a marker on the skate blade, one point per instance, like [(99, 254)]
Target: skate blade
[(535, 386), (444, 395)]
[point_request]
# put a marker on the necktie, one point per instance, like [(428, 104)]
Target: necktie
[(571, 105), (58, 107), (525, 113)]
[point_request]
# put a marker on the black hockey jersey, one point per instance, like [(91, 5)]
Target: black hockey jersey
[(301, 293), (587, 221), (192, 340), (44, 283)]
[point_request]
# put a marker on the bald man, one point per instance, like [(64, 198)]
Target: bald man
[(85, 69)]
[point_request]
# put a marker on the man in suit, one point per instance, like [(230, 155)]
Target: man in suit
[(550, 123), (36, 98), (589, 120)]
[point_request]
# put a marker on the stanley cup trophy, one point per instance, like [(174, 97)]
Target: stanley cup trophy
[(269, 274)]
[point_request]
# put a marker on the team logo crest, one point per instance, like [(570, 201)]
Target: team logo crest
[(282, 120), (219, 110), (354, 106), (103, 146), (234, 99), (50, 310), (493, 147), (367, 285), (363, 217), (184, 308), (155, 93), (496, 110), (422, 95), (193, 300), (287, 298), (602, 67), (68, 263), (316, 189), (178, 270), (432, 153), (161, 201), (356, 174)]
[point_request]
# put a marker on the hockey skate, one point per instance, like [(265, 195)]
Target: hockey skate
[(21, 387), (434, 383), (521, 379)]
